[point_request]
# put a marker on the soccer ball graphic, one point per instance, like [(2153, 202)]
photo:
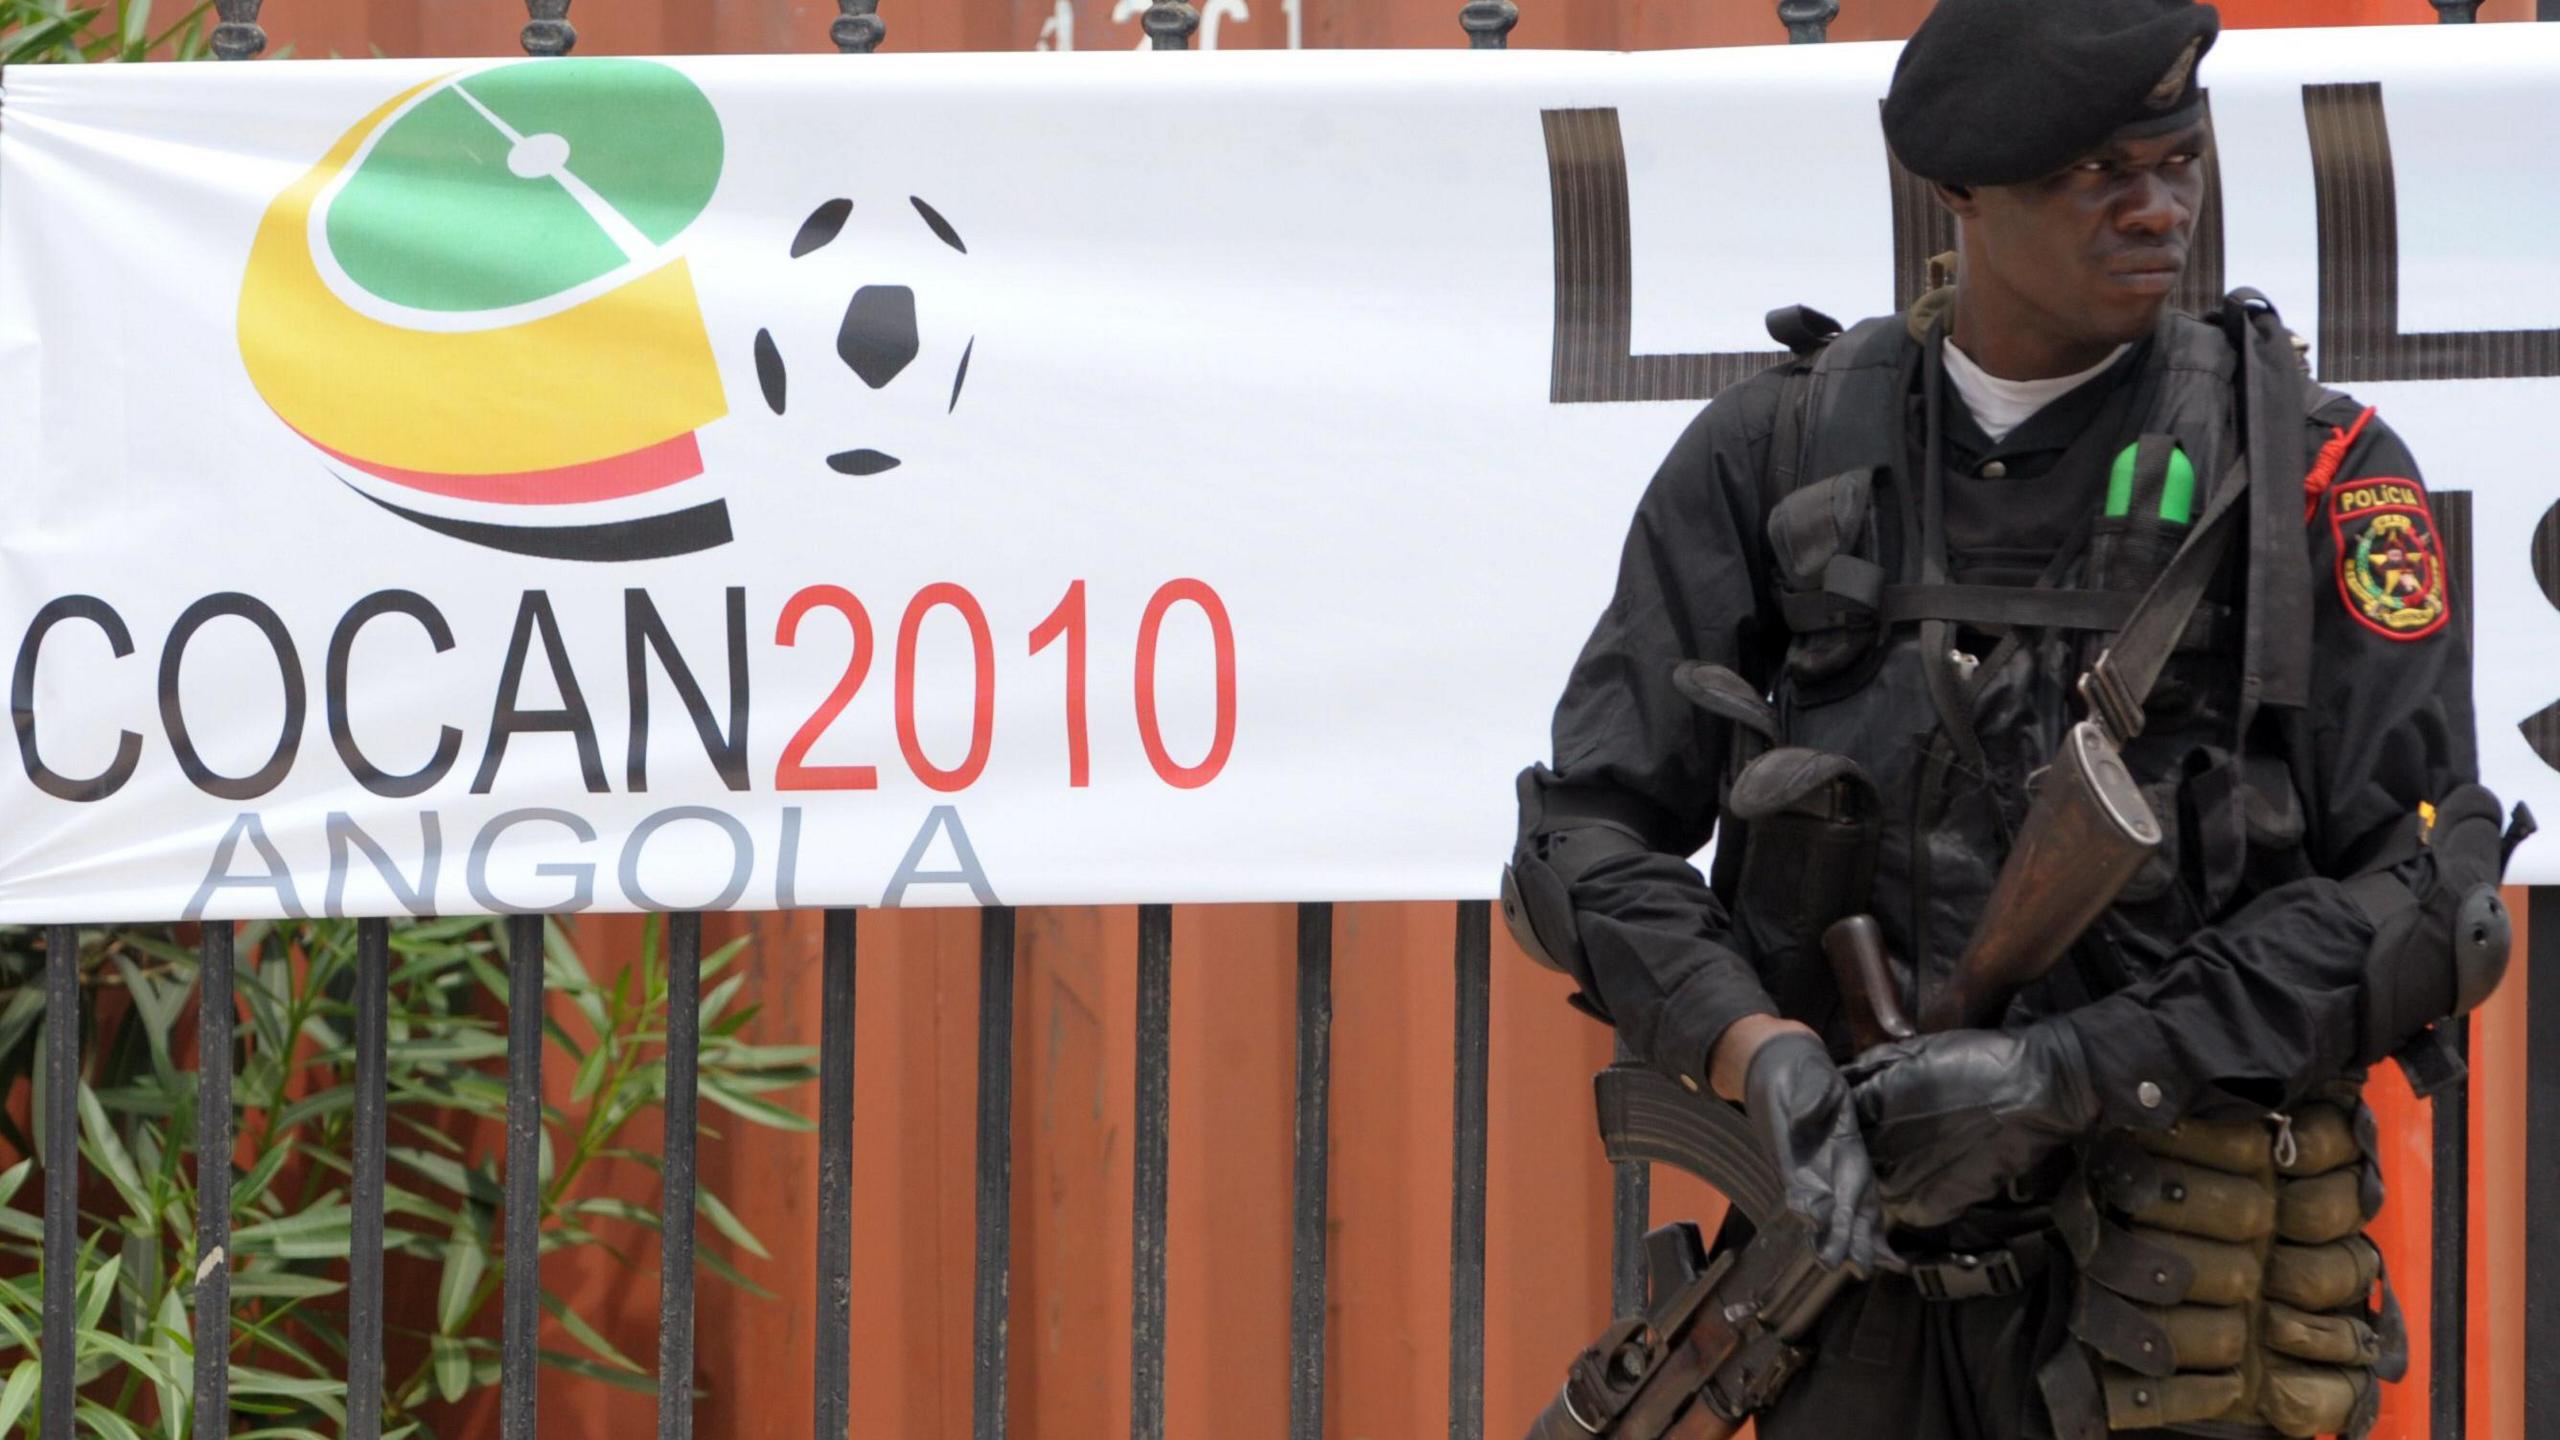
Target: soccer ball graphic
[(866, 375)]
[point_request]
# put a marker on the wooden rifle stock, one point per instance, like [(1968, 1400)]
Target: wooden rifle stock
[(2086, 833)]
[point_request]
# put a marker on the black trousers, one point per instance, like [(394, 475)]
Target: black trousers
[(1889, 1363)]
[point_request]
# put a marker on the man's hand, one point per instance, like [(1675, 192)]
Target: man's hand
[(1798, 1102), (1953, 1117)]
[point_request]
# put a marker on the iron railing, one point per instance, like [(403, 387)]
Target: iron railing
[(858, 29)]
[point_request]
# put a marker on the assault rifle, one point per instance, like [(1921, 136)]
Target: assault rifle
[(1719, 1339)]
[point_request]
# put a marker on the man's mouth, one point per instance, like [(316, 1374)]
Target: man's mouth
[(2151, 274)]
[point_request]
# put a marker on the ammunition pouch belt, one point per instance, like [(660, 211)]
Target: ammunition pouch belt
[(2441, 934), (2224, 1279)]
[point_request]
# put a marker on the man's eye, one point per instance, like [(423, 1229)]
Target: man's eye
[(2182, 160), (2091, 167)]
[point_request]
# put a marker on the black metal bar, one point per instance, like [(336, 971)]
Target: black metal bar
[(858, 30), (835, 1179), (2449, 1287), (995, 1168), (1488, 23), (1808, 22), (237, 35), (549, 31), (1630, 1213), (61, 1174), (2541, 1151), (213, 1182), (2456, 12), (1147, 1171), (1467, 1172), (1311, 1172), (364, 1254), (521, 1301), (676, 1183), (1169, 24)]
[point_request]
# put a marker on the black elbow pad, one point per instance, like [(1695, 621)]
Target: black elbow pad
[(2441, 948), (1558, 844)]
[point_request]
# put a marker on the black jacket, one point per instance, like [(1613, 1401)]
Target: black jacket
[(2239, 973)]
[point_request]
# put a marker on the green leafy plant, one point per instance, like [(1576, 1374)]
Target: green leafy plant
[(294, 1098), (35, 31)]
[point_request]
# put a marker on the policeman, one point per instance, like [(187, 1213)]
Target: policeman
[(1848, 620)]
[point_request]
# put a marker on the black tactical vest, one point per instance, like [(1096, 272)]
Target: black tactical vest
[(1953, 757)]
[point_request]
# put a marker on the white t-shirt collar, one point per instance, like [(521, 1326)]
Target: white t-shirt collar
[(2000, 406)]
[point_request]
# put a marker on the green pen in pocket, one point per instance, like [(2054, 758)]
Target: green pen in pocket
[(2151, 496), (2174, 479)]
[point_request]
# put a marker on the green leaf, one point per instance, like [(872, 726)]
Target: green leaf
[(453, 1367), (19, 1392), (322, 1232), (712, 1261), (644, 1382), (251, 1187), (591, 1070), (278, 1284), (466, 1259), (106, 1150), (98, 1290), (10, 1180), (586, 1334), (173, 1341), (728, 1224), (107, 1422), (267, 1382), (763, 1112)]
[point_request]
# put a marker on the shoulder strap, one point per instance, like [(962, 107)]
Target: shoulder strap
[(2274, 396)]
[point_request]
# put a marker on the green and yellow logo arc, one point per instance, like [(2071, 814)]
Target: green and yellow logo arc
[(473, 306)]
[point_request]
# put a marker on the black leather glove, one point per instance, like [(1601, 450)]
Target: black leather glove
[(1953, 1117), (1796, 1099)]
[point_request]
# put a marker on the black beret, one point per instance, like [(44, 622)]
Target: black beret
[(1996, 92)]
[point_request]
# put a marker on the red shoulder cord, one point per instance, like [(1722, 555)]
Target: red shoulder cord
[(2324, 468)]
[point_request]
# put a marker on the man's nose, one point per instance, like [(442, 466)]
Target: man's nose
[(2152, 207)]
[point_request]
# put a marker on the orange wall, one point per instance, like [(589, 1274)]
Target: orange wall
[(1234, 986)]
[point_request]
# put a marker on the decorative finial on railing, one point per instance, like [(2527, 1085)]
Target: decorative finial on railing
[(239, 36), (1488, 23), (2457, 12), (859, 30), (1808, 22), (549, 31), (1169, 24)]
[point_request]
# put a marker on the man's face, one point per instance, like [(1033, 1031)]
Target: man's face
[(2092, 251)]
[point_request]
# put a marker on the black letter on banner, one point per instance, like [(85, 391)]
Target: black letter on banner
[(643, 631), (2357, 195), (1595, 280), (342, 646), (505, 719), (22, 700), (2542, 728), (173, 717), (970, 873), (1922, 228)]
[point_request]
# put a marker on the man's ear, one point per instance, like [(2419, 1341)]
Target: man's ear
[(1958, 199)]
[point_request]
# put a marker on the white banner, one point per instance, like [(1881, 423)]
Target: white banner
[(750, 482)]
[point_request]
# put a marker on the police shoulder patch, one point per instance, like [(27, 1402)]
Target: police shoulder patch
[(2391, 568)]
